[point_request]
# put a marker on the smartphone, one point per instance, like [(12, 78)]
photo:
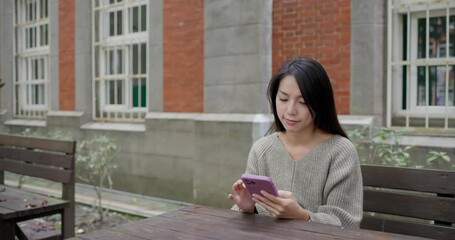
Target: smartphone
[(256, 183)]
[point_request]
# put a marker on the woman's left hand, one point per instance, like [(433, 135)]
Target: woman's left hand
[(284, 206)]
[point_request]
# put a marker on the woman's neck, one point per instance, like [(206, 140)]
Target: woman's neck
[(308, 139)]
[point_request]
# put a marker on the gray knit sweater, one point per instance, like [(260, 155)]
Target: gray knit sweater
[(327, 181)]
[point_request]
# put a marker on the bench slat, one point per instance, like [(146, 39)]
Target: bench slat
[(398, 193), (49, 173), (44, 158), (425, 207), (38, 143), (408, 228), (424, 180)]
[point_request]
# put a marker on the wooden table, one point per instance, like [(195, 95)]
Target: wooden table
[(17, 205), (199, 222)]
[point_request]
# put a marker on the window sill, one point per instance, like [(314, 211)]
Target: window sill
[(123, 127)]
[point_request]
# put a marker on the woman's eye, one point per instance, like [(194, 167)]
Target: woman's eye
[(302, 103), (283, 99)]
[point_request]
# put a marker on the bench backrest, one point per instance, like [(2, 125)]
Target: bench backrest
[(48, 159), (409, 201)]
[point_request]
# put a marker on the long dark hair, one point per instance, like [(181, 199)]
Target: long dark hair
[(316, 91)]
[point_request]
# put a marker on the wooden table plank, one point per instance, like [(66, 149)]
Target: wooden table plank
[(141, 229), (294, 224), (200, 222), (23, 204), (108, 234)]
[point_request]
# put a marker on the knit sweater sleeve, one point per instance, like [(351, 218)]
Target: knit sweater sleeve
[(252, 168), (343, 192)]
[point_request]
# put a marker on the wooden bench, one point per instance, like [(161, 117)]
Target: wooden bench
[(418, 202), (49, 159)]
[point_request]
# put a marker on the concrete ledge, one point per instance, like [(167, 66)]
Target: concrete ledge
[(125, 127), (25, 122), (65, 114), (355, 120)]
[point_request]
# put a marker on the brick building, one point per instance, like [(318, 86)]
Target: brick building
[(180, 85)]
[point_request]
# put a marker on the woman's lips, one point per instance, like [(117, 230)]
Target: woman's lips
[(290, 122)]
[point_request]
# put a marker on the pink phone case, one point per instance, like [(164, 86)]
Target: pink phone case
[(256, 183)]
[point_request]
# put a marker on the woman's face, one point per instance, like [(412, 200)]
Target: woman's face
[(291, 108)]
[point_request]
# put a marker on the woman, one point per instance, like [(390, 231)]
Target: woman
[(307, 153)]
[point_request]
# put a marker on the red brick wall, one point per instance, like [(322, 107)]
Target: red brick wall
[(320, 29), (66, 54), (183, 41)]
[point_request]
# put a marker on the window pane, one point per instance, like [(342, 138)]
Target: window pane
[(143, 58), (119, 23), (32, 37), (139, 92), (46, 31), (97, 61), (33, 11), (41, 34), (120, 61), (437, 37), (27, 38), (421, 93), (96, 25), (110, 92), (42, 68), (114, 92), (437, 86), (35, 69), (437, 31), (143, 92), (42, 7), (452, 35), (135, 19), (35, 94), (143, 18), (46, 7), (111, 23), (135, 59), (119, 92), (110, 64), (422, 40)]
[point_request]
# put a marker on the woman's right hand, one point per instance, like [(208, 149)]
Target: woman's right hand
[(241, 197)]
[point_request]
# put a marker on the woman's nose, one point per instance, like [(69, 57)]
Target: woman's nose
[(291, 109)]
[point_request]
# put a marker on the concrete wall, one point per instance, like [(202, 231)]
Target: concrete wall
[(6, 54), (190, 157), (368, 58), (238, 55)]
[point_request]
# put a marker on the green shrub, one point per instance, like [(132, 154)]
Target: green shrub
[(95, 162)]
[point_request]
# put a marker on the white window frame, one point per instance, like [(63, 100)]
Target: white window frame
[(102, 44), (25, 55), (414, 10)]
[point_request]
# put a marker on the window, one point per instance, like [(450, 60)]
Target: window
[(120, 60), (421, 63), (31, 75)]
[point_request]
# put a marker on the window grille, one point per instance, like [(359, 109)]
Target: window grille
[(120, 40), (31, 75), (421, 64)]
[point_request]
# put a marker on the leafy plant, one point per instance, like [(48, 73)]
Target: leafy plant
[(437, 159), (95, 164), (385, 146), (389, 149)]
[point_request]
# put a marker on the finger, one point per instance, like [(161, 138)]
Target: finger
[(236, 187), (270, 197), (231, 197), (267, 207)]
